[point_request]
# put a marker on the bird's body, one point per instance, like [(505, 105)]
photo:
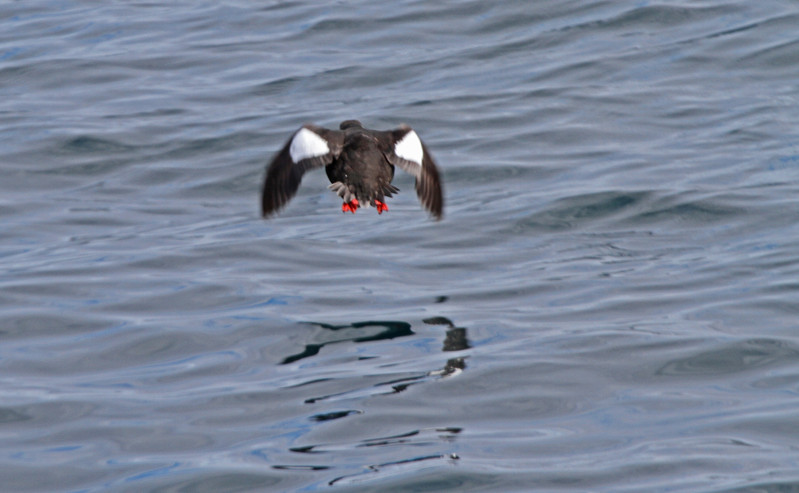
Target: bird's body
[(359, 163)]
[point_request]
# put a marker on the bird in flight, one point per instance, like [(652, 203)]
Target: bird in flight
[(359, 163)]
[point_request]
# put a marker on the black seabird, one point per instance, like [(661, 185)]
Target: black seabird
[(359, 163)]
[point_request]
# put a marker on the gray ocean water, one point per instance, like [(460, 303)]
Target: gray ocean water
[(610, 304)]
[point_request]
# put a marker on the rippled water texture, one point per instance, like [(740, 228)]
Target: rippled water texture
[(610, 303)]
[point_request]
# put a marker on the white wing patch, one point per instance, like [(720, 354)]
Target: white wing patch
[(410, 148), (307, 144)]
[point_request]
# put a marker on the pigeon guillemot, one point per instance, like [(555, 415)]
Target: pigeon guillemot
[(359, 163)]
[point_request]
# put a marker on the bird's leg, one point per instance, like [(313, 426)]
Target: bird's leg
[(350, 206), (381, 206)]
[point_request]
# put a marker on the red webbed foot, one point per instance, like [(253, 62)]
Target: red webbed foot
[(350, 206), (381, 206)]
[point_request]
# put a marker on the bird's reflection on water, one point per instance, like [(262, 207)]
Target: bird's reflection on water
[(455, 339), (372, 330), (378, 330)]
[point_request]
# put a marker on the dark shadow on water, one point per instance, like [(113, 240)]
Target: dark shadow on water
[(334, 415), (413, 439), (377, 468)]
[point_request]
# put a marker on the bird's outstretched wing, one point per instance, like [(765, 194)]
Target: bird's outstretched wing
[(310, 147), (403, 148)]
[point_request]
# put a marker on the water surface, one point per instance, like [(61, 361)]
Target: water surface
[(610, 303)]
